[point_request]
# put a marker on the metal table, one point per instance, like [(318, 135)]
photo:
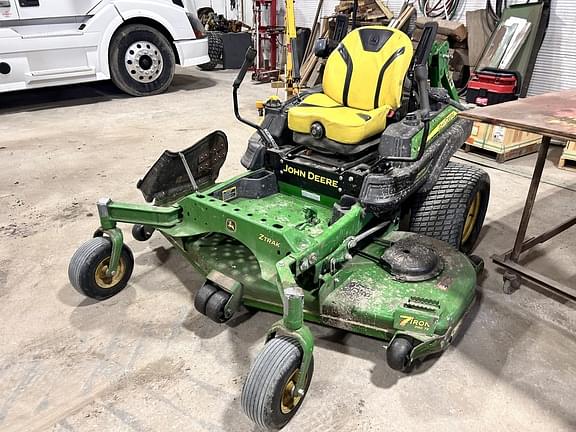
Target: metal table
[(552, 115)]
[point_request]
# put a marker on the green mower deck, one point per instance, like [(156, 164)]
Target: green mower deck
[(242, 246)]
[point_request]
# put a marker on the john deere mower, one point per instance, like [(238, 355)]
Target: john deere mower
[(349, 215)]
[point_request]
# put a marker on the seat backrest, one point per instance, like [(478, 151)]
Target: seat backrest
[(367, 69)]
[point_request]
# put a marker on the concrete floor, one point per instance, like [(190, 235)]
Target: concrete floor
[(147, 361)]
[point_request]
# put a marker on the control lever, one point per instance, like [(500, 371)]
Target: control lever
[(264, 133), (420, 78), (248, 61)]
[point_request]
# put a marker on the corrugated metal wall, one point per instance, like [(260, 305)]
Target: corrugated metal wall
[(556, 65)]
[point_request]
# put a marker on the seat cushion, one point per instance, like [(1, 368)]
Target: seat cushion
[(342, 124), (367, 69)]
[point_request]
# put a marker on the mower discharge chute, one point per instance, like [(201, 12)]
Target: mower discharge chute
[(349, 215)]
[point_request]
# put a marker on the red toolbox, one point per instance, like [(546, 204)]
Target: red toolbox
[(493, 86)]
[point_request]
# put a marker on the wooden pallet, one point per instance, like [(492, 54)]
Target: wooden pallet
[(499, 143), (500, 157), (568, 158)]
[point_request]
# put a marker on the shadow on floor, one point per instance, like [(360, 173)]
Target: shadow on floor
[(84, 94)]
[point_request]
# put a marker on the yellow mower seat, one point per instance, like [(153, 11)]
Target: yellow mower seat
[(341, 123), (362, 83)]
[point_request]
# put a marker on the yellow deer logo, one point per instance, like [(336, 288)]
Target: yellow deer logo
[(230, 225)]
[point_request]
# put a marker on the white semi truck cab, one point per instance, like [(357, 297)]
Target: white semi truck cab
[(136, 43)]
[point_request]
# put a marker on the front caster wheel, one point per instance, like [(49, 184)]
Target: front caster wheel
[(88, 266), (398, 354), (142, 233), (268, 396)]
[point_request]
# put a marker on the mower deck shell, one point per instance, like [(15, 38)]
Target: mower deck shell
[(245, 238)]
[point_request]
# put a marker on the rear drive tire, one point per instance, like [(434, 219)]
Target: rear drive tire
[(267, 398), (454, 209), (142, 62)]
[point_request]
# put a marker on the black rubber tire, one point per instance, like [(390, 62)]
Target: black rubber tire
[(142, 232), (215, 51), (398, 354), (121, 41), (215, 306), (85, 261), (271, 370), (202, 296), (441, 213)]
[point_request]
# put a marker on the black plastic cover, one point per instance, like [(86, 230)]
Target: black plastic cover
[(408, 260), (168, 180), (258, 184), (253, 157), (396, 140), (383, 193)]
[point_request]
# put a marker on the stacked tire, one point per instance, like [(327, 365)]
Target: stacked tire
[(215, 50)]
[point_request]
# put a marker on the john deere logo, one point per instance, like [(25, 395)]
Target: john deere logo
[(230, 225)]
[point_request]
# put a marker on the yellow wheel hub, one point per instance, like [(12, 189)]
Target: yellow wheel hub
[(105, 281), (290, 399), (471, 217)]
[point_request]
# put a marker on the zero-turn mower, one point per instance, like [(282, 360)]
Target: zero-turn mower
[(349, 215)]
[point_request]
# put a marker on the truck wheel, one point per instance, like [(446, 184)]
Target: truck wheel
[(454, 209), (142, 61), (87, 269), (268, 397), (398, 354), (215, 50)]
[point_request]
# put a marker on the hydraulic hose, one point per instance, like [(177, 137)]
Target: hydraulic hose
[(439, 8)]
